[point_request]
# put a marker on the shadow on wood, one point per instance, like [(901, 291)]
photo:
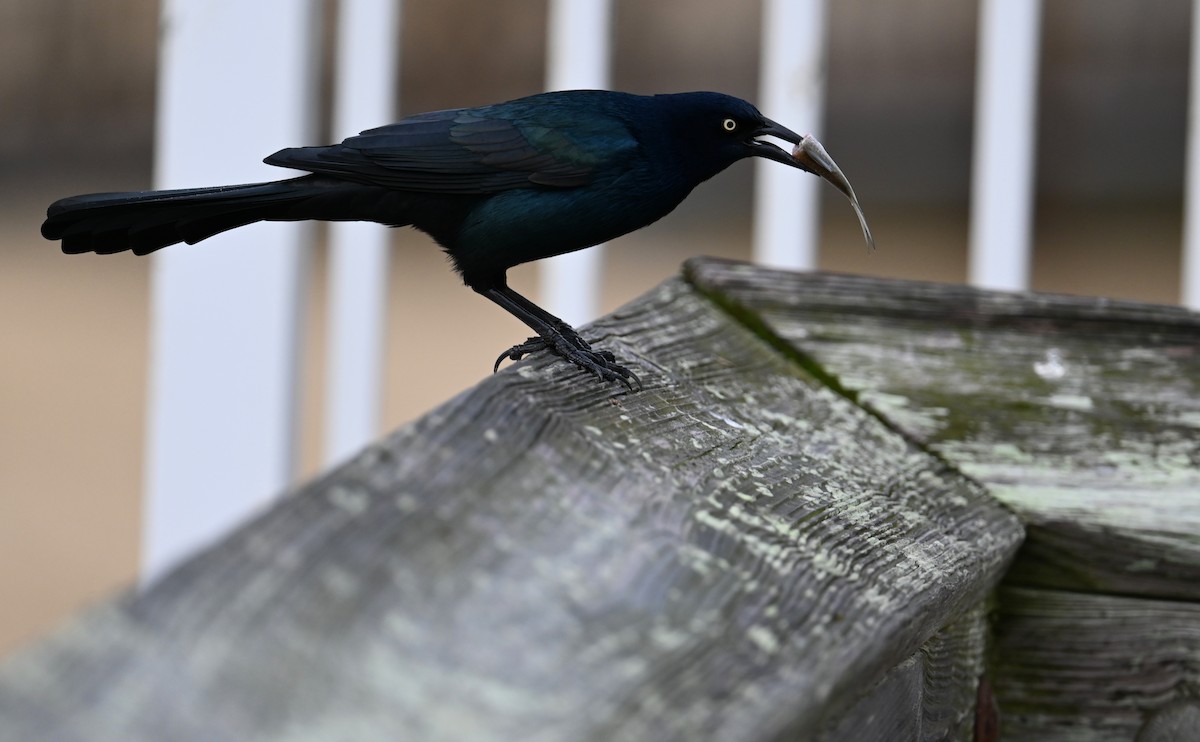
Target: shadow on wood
[(741, 551)]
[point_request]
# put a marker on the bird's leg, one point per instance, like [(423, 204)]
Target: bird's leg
[(557, 337), (537, 343)]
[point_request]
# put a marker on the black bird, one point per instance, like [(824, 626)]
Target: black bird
[(495, 186)]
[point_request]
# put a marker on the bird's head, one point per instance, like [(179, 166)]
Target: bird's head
[(712, 131)]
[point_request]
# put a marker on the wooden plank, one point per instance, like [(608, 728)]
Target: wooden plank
[(954, 663), (1081, 414), (1073, 666), (929, 696), (733, 553)]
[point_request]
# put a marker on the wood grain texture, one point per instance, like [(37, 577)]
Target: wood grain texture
[(1081, 414), (735, 553), (930, 696), (955, 660), (1073, 666)]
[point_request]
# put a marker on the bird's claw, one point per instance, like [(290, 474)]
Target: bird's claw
[(517, 352), (568, 344)]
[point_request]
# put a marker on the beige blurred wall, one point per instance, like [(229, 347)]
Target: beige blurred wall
[(77, 88), (77, 79)]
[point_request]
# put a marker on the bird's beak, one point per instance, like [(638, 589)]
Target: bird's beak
[(809, 155)]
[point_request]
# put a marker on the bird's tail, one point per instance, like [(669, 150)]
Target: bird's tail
[(148, 220)]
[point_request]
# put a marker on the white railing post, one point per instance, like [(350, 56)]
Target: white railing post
[(1005, 136), (365, 96), (225, 313), (792, 92), (577, 57), (1190, 286)]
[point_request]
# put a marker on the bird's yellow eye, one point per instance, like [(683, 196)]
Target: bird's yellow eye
[(729, 124)]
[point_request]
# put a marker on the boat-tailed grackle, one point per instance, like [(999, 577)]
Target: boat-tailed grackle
[(495, 186)]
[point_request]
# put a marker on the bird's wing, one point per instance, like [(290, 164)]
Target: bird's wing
[(461, 151)]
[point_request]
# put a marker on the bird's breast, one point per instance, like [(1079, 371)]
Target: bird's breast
[(520, 226)]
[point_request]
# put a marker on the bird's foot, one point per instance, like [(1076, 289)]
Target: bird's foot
[(567, 344)]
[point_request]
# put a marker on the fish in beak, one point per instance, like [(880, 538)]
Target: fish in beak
[(808, 154)]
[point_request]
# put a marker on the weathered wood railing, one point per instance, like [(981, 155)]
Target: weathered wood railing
[(796, 531)]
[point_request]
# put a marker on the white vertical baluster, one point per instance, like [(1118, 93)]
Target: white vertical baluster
[(578, 57), (1190, 287), (792, 92), (1005, 137), (225, 313), (368, 42)]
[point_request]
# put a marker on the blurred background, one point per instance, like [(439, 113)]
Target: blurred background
[(77, 101)]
